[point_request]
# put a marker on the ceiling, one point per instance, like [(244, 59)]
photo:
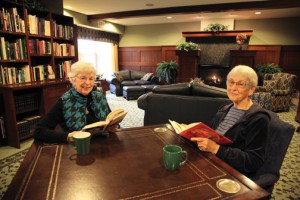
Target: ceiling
[(136, 12)]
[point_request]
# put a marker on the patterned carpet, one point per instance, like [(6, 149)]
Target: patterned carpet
[(286, 188)]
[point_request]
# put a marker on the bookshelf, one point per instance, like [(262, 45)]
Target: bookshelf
[(36, 52)]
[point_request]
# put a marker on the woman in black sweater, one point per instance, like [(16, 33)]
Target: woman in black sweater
[(244, 122)]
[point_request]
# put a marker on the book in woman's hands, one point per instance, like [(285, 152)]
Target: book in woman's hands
[(114, 117), (199, 129)]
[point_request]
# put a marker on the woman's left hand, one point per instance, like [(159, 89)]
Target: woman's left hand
[(205, 144)]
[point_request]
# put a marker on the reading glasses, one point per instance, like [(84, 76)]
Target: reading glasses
[(84, 79), (239, 84)]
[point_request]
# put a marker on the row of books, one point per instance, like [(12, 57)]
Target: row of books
[(63, 49), (63, 69), (14, 50), (26, 126), (10, 20), (28, 101), (62, 31), (13, 75), (39, 26), (40, 47)]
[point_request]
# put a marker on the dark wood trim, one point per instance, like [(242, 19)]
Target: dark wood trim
[(232, 33), (223, 7)]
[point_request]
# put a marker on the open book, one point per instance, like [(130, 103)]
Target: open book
[(199, 130), (114, 117)]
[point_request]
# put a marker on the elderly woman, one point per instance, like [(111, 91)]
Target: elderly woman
[(76, 108), (242, 121)]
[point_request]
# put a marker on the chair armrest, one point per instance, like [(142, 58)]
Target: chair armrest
[(113, 80), (260, 89), (265, 180), (280, 92)]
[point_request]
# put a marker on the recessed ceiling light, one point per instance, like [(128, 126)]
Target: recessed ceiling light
[(257, 13), (68, 7)]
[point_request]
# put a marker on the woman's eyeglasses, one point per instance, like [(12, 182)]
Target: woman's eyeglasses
[(84, 79), (239, 84)]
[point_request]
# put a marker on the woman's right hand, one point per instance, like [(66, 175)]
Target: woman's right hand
[(70, 136)]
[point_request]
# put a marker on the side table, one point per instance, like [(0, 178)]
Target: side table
[(103, 84)]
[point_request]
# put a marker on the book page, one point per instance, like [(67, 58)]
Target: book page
[(114, 117)]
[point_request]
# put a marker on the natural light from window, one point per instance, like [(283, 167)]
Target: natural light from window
[(99, 54)]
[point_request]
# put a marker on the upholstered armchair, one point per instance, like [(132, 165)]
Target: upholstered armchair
[(276, 92)]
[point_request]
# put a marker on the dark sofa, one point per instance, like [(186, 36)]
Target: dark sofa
[(182, 102), (129, 78)]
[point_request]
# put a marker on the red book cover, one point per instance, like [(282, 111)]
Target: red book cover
[(202, 130)]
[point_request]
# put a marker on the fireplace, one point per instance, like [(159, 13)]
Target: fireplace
[(214, 75)]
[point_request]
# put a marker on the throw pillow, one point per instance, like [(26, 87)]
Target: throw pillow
[(147, 76), (118, 76)]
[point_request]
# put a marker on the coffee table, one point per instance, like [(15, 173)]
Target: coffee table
[(127, 165)]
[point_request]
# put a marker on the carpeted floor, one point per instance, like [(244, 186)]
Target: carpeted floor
[(286, 188)]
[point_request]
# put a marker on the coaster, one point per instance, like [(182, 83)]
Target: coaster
[(229, 186), (160, 130)]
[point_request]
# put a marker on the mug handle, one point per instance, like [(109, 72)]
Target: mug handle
[(184, 154)]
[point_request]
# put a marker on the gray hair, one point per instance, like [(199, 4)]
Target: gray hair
[(81, 67), (245, 71)]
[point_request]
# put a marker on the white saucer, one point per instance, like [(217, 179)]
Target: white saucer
[(229, 186)]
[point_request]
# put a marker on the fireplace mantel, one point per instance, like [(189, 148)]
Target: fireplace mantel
[(232, 33)]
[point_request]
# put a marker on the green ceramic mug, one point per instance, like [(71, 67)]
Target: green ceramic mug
[(174, 157), (82, 141)]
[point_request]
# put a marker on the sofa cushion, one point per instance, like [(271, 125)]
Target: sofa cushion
[(125, 74), (137, 74), (147, 76), (177, 89), (141, 82), (128, 83), (208, 91)]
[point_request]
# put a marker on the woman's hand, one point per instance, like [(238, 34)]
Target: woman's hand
[(113, 128), (70, 136), (205, 144)]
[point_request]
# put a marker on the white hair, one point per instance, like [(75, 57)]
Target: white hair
[(81, 67), (245, 71)]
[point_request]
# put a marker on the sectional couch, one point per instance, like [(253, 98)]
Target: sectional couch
[(182, 102)]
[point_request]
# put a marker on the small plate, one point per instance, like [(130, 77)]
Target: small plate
[(229, 186), (160, 130)]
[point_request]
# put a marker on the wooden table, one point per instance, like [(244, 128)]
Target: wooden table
[(125, 165)]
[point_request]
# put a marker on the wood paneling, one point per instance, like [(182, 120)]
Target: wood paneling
[(146, 58), (290, 61), (139, 58), (266, 54)]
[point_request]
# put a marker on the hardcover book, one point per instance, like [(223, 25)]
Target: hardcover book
[(114, 117), (199, 130)]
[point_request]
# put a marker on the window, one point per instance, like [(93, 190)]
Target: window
[(102, 55)]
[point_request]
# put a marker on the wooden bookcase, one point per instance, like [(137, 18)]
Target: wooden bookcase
[(39, 48)]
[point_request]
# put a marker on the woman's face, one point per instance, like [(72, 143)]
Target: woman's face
[(84, 82), (238, 88)]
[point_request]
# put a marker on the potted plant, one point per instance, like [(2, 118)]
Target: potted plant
[(269, 68), (167, 71), (186, 46), (216, 27)]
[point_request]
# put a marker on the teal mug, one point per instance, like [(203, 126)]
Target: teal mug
[(82, 141), (174, 157)]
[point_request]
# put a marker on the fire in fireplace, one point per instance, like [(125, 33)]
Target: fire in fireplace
[(214, 75)]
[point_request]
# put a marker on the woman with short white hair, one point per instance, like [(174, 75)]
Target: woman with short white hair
[(79, 106), (243, 121)]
